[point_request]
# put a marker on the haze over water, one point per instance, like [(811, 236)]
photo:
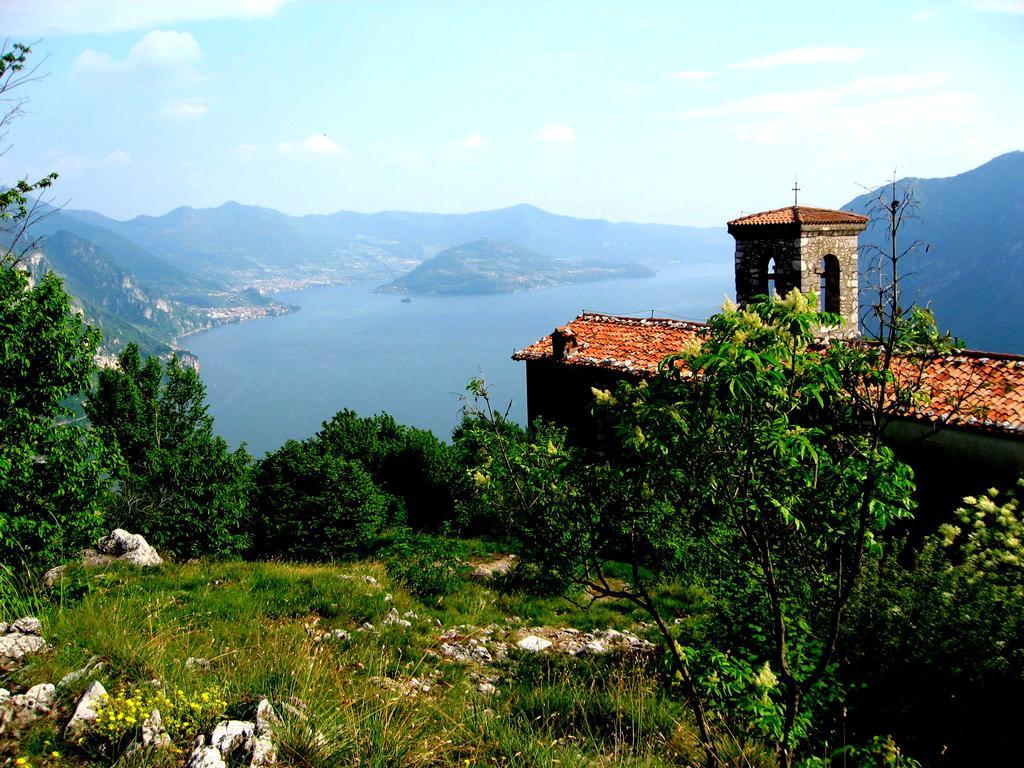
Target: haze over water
[(347, 347)]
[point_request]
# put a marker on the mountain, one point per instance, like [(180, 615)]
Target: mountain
[(152, 279), (246, 245), (495, 266), (110, 296), (972, 275)]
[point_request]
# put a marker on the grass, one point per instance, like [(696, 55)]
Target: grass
[(350, 701)]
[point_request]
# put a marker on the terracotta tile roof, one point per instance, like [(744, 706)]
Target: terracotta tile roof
[(800, 214), (618, 343), (979, 390)]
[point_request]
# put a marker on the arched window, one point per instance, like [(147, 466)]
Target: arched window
[(771, 286), (830, 284)]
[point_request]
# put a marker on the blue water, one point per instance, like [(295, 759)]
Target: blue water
[(347, 347)]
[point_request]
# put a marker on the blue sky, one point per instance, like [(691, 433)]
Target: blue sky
[(674, 112)]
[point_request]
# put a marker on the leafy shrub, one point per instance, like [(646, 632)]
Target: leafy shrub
[(426, 566), (937, 638), (315, 506), (180, 485), (419, 470), (54, 473)]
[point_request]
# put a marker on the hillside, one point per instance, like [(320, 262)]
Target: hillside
[(111, 296), (246, 245), (973, 272), (494, 266)]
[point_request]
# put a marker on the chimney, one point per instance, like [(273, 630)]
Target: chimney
[(563, 342)]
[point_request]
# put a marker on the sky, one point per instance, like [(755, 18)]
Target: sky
[(673, 112)]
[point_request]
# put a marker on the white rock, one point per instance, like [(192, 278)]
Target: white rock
[(130, 547), (232, 737), (533, 643), (53, 575), (93, 666), (266, 718), (42, 696), (595, 647), (153, 732), (85, 711), (28, 625), (487, 689), (15, 646), (206, 757), (370, 580), (263, 751), (394, 618)]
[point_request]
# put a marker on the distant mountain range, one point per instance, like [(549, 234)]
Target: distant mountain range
[(154, 279), (972, 275), (495, 266)]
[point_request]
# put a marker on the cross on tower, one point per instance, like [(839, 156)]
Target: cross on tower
[(796, 189)]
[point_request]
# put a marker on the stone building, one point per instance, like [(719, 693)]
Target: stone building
[(813, 249), (967, 437)]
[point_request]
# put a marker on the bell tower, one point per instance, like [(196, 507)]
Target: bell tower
[(813, 249)]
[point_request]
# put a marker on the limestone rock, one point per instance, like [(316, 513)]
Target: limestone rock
[(130, 547), (153, 732), (206, 757), (502, 566), (90, 558), (53, 575), (22, 639), (92, 667), (85, 711), (393, 618), (263, 751), (533, 643), (28, 625), (17, 712), (233, 737)]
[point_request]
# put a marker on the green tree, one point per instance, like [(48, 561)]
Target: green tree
[(420, 472), (180, 485), (314, 505), (53, 471), (754, 485)]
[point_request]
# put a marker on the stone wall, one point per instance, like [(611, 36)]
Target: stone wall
[(798, 251)]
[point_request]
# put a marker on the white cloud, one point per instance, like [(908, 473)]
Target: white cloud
[(557, 133), (39, 18), (922, 16), (807, 102), (996, 6), (881, 113), (318, 144), (184, 109), (473, 141), (159, 50), (804, 56), (691, 75)]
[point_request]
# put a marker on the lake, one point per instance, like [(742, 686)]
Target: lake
[(277, 378)]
